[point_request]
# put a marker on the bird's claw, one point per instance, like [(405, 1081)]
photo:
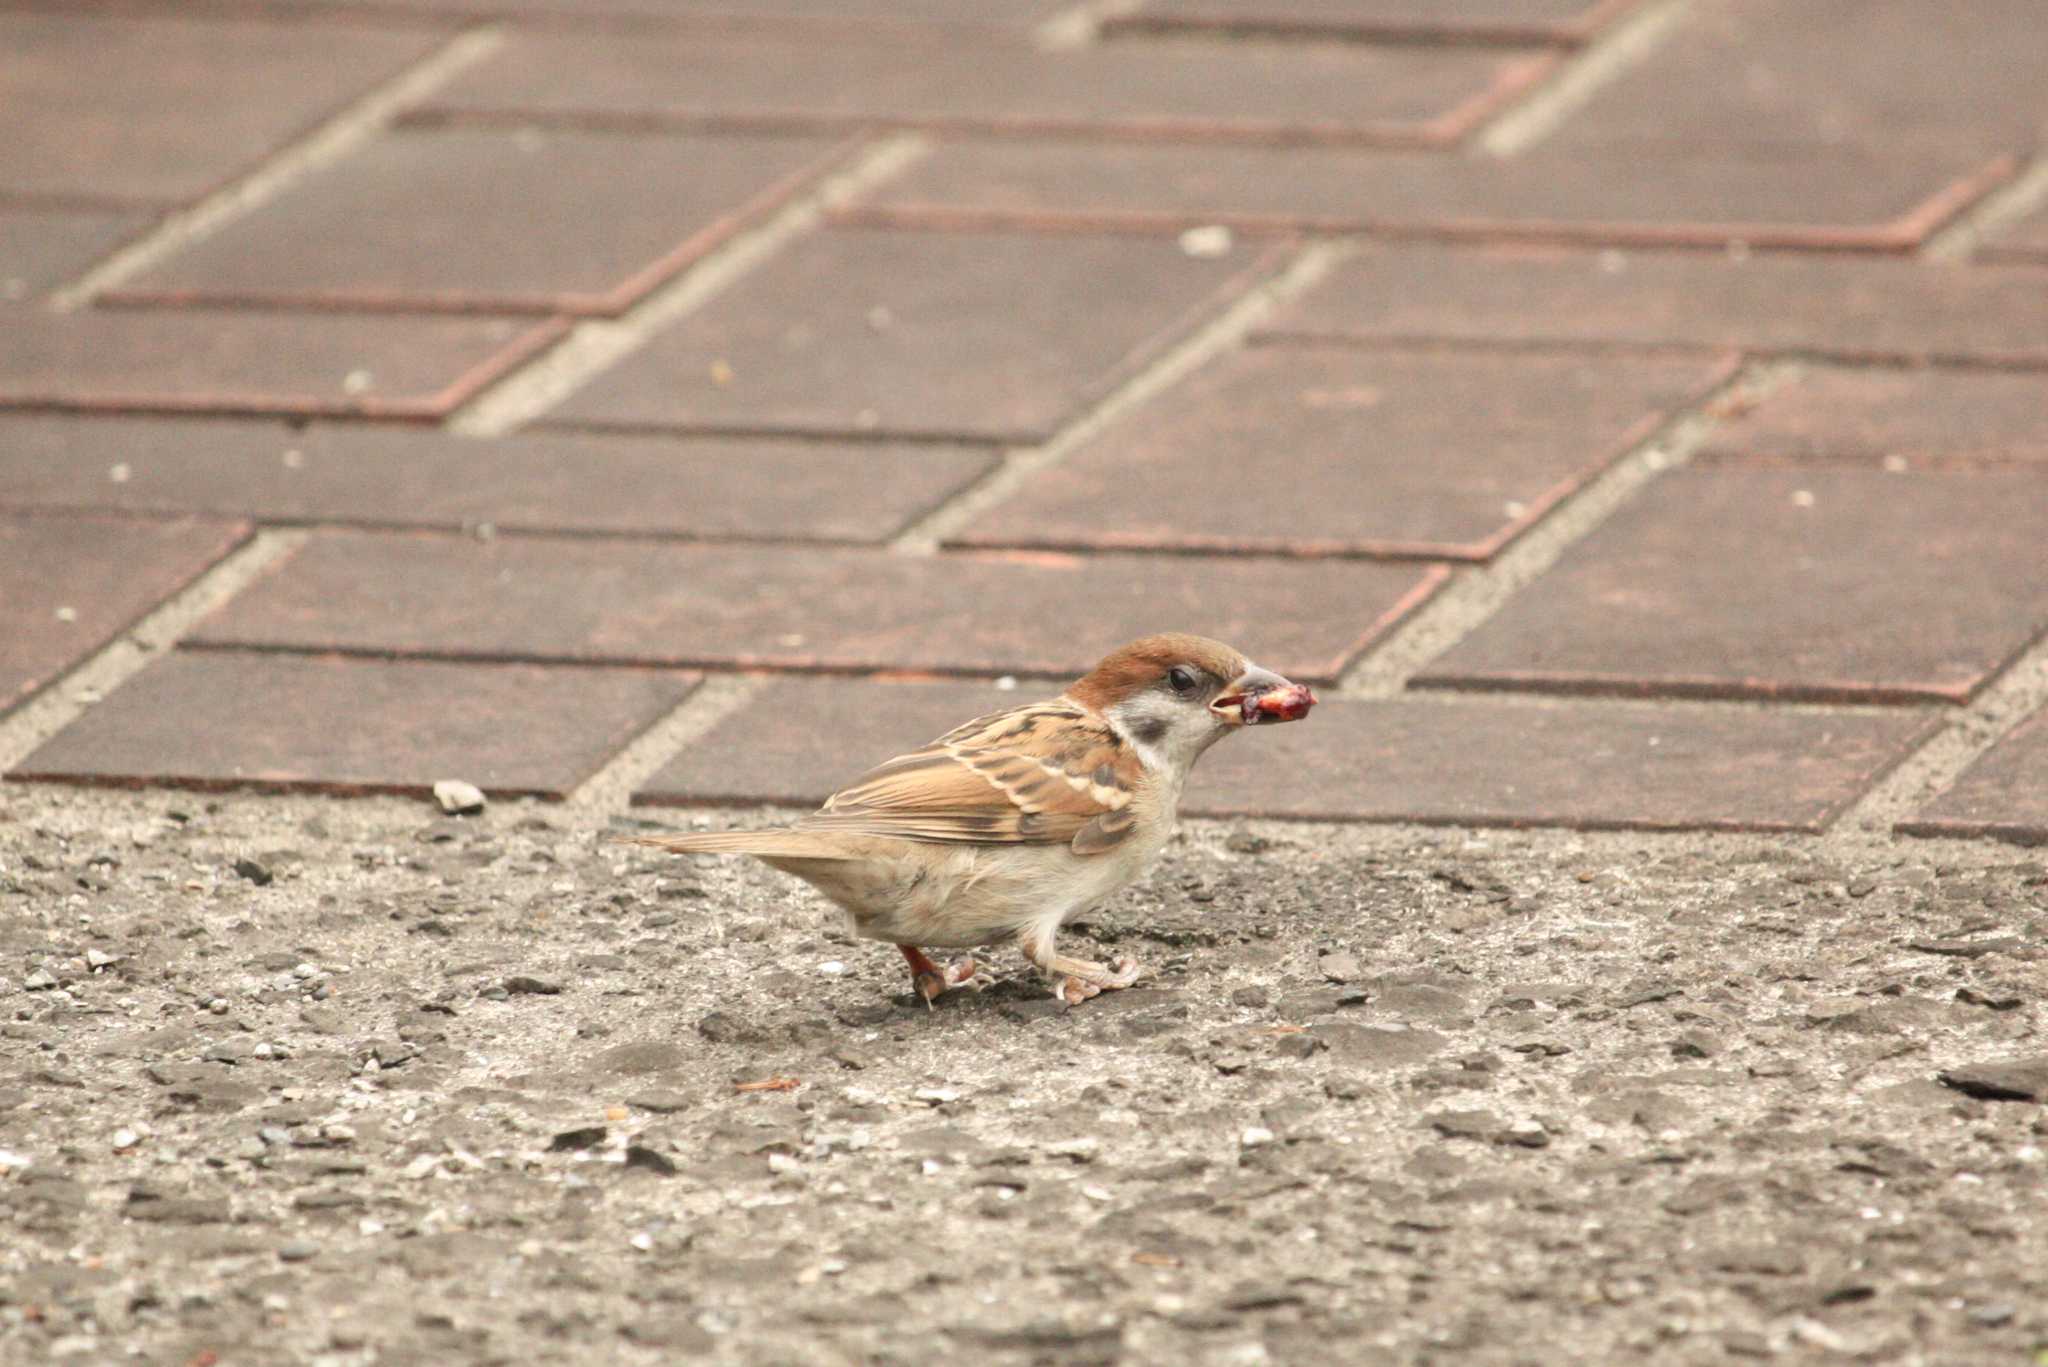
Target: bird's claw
[(1075, 989), (935, 982)]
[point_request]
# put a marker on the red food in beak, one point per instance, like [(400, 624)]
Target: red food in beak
[(1261, 701), (1289, 703)]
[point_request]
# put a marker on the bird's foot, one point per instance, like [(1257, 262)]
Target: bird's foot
[(1073, 991), (1077, 987), (959, 973), (931, 981)]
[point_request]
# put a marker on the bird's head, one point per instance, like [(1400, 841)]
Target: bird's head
[(1175, 695)]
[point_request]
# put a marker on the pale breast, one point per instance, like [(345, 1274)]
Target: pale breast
[(960, 896)]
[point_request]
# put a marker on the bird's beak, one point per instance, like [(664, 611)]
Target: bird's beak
[(1260, 695)]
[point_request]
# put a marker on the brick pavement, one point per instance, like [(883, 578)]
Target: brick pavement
[(1679, 464)]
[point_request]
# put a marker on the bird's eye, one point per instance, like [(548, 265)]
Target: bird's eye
[(1181, 679)]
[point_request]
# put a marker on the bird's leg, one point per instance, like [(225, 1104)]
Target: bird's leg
[(1076, 980), (929, 979)]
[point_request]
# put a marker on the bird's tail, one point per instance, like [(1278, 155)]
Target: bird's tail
[(782, 844)]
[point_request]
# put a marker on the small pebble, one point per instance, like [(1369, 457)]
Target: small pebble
[(644, 1159), (458, 798), (1081, 1150), (298, 1251), (1341, 967)]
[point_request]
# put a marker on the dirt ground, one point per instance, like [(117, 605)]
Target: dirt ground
[(292, 1080)]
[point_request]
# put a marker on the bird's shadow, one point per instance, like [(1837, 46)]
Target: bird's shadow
[(1026, 999)]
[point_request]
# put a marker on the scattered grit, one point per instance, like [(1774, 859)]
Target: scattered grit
[(290, 1080)]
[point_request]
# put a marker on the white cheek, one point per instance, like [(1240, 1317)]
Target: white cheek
[(1182, 733)]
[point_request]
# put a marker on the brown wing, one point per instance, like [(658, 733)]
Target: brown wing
[(1044, 774)]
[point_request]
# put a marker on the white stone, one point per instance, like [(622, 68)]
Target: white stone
[(1208, 241), (457, 797)]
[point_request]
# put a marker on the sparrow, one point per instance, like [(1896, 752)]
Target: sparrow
[(1005, 828)]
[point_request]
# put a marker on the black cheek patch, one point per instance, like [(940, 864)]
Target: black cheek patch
[(1149, 730)]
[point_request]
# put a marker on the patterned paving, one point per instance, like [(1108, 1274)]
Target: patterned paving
[(894, 348)]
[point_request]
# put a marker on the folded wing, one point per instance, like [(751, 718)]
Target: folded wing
[(1044, 774)]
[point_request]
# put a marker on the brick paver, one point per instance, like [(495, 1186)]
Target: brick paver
[(201, 719), (1423, 453), (1051, 199), (1917, 416), (1565, 22), (41, 248), (1813, 197), (830, 18), (1486, 763), (704, 487), (522, 598), (2025, 241), (70, 584), (1588, 765), (994, 337), (492, 220), (800, 739), (406, 368), (1888, 311), (1884, 74), (1828, 583), (2004, 794), (1253, 91), (147, 108)]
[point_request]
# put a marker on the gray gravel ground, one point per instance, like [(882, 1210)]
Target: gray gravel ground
[(290, 1080)]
